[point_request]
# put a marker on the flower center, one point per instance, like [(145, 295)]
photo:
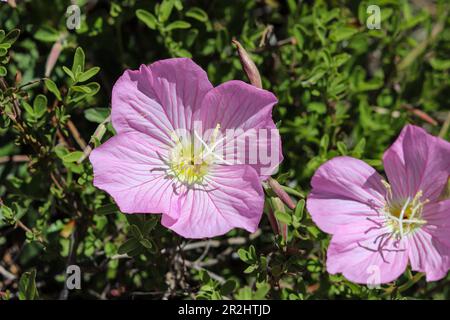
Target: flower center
[(190, 159), (404, 216), (187, 166)]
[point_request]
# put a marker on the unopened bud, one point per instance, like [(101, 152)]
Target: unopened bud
[(249, 66)]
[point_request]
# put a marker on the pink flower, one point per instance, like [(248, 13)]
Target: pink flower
[(377, 226), (169, 155)]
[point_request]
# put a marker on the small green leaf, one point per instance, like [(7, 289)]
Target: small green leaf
[(228, 287), (40, 105), (107, 209), (128, 246), (165, 9), (47, 34), (178, 25), (31, 286), (283, 217), (3, 71), (88, 74), (78, 62), (317, 107), (439, 64), (69, 72), (263, 290), (250, 269), (148, 18), (73, 156), (97, 115), (12, 36), (29, 109), (146, 243), (359, 148), (243, 255), (198, 14), (299, 209), (51, 86), (27, 286), (83, 89), (342, 33), (135, 231), (342, 147), (60, 151), (149, 226)]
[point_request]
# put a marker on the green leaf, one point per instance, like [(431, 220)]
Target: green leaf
[(94, 86), (183, 53), (228, 287), (12, 36), (299, 209), (135, 231), (342, 147), (165, 9), (3, 71), (149, 226), (31, 286), (72, 156), (263, 290), (178, 25), (6, 213), (342, 33), (29, 109), (317, 107), (107, 209), (3, 51), (146, 243), (283, 217), (243, 255), (97, 115), (69, 72), (78, 62), (51, 86), (128, 246), (60, 151), (83, 89), (148, 18), (359, 148), (40, 105), (198, 14), (27, 286), (439, 64), (250, 269), (47, 34), (88, 74)]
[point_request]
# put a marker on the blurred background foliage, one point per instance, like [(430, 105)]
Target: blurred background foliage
[(343, 89)]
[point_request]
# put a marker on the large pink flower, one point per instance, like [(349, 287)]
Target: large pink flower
[(377, 226), (187, 150)]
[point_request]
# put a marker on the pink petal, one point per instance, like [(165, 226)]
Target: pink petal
[(131, 168), (244, 114), (354, 251), (437, 216), (430, 246), (233, 198), (427, 254), (417, 161), (160, 98), (344, 191)]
